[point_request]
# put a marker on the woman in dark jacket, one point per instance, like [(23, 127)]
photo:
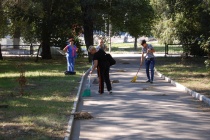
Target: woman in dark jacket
[(100, 62)]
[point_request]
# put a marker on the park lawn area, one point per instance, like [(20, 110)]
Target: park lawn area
[(190, 72), (124, 48), (43, 111), (129, 47)]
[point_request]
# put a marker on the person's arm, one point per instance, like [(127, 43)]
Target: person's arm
[(152, 50), (95, 64), (142, 59), (65, 49), (76, 48)]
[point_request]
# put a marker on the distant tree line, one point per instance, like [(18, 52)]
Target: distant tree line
[(184, 22), (52, 22)]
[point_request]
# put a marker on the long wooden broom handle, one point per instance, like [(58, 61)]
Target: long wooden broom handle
[(138, 71), (89, 79)]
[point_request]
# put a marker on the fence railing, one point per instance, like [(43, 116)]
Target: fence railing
[(19, 49), (173, 49)]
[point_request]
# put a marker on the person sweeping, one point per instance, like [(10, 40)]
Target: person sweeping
[(100, 62), (149, 59)]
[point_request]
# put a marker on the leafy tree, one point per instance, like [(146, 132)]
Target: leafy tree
[(139, 19), (182, 21), (93, 13), (163, 28), (205, 38), (3, 20), (134, 17), (49, 22), (87, 12)]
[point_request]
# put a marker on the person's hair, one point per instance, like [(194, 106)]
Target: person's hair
[(71, 39), (100, 40), (143, 42), (91, 48)]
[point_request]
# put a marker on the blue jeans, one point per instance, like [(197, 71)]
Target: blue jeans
[(70, 64), (150, 64)]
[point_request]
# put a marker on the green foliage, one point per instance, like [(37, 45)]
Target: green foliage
[(205, 45), (135, 17), (3, 21), (207, 63), (48, 21), (182, 22)]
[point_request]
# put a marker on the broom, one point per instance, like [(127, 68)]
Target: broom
[(135, 77), (87, 92)]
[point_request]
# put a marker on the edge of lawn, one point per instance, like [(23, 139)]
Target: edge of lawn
[(194, 94), (75, 105)]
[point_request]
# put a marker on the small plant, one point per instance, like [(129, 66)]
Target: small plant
[(207, 63), (205, 45), (22, 79)]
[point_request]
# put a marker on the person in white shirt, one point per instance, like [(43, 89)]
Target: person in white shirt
[(148, 55)]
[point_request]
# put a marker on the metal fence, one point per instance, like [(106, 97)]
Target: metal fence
[(10, 50), (174, 49)]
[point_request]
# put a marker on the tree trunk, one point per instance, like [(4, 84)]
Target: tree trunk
[(46, 53), (37, 55), (88, 35), (135, 43), (16, 39), (88, 27), (1, 57)]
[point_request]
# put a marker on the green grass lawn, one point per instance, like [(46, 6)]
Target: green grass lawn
[(159, 48), (44, 110), (190, 72), (129, 47)]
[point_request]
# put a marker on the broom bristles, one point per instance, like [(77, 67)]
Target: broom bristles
[(134, 79)]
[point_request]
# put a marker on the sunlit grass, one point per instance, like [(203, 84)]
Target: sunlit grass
[(159, 48), (129, 47), (44, 110), (190, 72)]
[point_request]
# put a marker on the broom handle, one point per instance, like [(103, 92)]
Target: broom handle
[(89, 79), (138, 71)]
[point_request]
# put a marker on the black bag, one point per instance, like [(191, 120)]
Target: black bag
[(110, 59)]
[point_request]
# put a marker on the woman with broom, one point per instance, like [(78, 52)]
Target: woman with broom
[(100, 62), (148, 51)]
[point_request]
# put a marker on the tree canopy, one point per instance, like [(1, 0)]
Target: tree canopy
[(49, 22), (134, 17), (52, 22)]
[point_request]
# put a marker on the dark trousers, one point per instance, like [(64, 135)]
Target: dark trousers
[(103, 74)]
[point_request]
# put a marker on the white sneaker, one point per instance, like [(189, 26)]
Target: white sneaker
[(110, 92)]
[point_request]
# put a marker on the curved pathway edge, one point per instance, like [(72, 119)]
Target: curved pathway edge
[(74, 108), (194, 94)]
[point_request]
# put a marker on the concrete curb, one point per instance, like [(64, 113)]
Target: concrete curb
[(194, 94), (76, 100)]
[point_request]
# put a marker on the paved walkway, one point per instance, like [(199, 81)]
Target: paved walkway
[(141, 111)]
